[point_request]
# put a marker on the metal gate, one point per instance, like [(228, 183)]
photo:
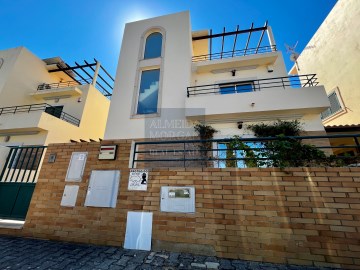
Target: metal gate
[(17, 180)]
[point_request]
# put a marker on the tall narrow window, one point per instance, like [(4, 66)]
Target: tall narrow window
[(153, 46), (148, 92)]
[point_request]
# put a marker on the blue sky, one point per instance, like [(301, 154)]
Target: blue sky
[(79, 30)]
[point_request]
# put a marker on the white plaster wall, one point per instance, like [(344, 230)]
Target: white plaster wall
[(4, 152), (176, 73), (9, 57), (24, 77), (309, 122), (333, 53), (38, 139), (94, 114), (268, 101)]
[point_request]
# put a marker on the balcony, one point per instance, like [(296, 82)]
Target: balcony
[(241, 49), (34, 118), (251, 99), (239, 61), (47, 91)]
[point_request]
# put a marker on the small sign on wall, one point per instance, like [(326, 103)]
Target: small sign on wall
[(52, 158), (138, 179), (107, 152)]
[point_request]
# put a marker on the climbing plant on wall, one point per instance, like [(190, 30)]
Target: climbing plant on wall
[(280, 152), (205, 132)]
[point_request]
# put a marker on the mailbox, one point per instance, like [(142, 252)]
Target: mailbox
[(177, 199), (108, 152)]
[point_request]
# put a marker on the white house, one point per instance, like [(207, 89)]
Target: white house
[(169, 77)]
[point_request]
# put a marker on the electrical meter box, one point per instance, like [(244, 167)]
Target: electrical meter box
[(177, 199), (69, 196), (76, 167), (103, 188)]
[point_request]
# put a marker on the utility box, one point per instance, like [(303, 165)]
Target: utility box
[(103, 189), (177, 199), (69, 196), (76, 166)]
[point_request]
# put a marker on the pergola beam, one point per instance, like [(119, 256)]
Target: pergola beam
[(234, 45), (231, 33), (222, 44), (100, 76), (261, 38), (248, 39), (72, 68), (83, 70), (107, 73)]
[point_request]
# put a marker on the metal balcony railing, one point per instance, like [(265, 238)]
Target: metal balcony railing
[(41, 107), (235, 53), (51, 86), (297, 81)]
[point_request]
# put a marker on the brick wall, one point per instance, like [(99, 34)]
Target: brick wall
[(306, 216)]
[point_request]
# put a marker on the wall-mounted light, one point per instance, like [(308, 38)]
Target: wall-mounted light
[(240, 124), (233, 72), (79, 100), (252, 104), (270, 68), (7, 138)]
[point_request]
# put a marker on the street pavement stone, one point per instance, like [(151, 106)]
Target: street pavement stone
[(25, 253)]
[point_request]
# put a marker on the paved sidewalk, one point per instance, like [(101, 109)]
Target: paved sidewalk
[(23, 253)]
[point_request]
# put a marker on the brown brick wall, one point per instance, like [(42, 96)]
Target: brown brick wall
[(307, 216)]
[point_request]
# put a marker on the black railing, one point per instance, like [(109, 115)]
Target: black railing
[(235, 53), (214, 153), (22, 164), (41, 107), (254, 85), (50, 86)]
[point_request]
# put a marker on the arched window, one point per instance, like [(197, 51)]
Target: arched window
[(153, 46)]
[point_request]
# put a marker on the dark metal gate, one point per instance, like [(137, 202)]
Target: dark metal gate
[(18, 179)]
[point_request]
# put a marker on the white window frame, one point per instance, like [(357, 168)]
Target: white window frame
[(148, 64), (341, 102), (152, 31), (135, 114)]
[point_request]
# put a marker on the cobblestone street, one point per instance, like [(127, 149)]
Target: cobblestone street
[(22, 253)]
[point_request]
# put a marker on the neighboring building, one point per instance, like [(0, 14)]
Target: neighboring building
[(47, 101), (169, 76), (333, 54), (42, 102)]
